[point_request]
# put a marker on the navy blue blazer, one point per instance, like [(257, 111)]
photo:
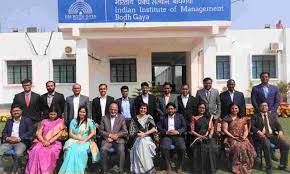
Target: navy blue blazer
[(226, 101), (179, 124), (132, 106), (258, 97), (26, 129)]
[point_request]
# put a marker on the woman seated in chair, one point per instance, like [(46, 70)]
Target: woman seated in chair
[(76, 148), (46, 148), (142, 128), (202, 146), (238, 148)]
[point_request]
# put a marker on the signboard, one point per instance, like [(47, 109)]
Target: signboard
[(108, 11)]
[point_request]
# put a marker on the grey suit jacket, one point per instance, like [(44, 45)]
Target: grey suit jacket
[(69, 107), (119, 128), (212, 101), (161, 106)]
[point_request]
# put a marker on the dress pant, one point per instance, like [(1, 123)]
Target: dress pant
[(120, 148), (165, 146)]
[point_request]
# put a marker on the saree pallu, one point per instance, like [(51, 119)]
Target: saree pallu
[(76, 155), (42, 160)]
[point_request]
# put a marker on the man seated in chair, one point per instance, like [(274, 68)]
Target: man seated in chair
[(17, 134), (113, 130), (171, 127), (266, 131)]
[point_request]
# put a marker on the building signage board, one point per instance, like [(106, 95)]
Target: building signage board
[(111, 11)]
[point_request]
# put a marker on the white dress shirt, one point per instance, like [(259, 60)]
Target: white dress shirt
[(76, 102), (112, 119), (171, 123), (103, 101), (15, 128), (232, 95), (145, 98), (184, 100)]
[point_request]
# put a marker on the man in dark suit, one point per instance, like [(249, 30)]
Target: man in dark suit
[(187, 105), (147, 98), (73, 103), (171, 127), (266, 131), (29, 101), (51, 98), (165, 98), (101, 104), (17, 135), (113, 131), (126, 105), (232, 96), (265, 92)]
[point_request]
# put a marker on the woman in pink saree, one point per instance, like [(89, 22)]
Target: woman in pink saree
[(45, 150)]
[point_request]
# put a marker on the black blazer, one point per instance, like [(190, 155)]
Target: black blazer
[(33, 110), (96, 108), (189, 110), (151, 106), (257, 123), (179, 124), (58, 99), (132, 106), (26, 130), (226, 101)]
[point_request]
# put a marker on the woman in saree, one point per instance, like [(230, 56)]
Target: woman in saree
[(202, 146), (45, 150), (240, 151), (142, 128), (80, 143)]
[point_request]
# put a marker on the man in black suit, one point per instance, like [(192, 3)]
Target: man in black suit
[(101, 104), (29, 101), (187, 105), (126, 105), (147, 98), (266, 131), (171, 127), (232, 96), (51, 98)]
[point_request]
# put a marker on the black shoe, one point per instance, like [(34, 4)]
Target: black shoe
[(284, 168), (269, 171)]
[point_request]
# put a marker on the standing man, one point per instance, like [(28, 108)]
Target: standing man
[(29, 101), (51, 98), (126, 105), (211, 98), (101, 104), (265, 92), (147, 98), (113, 130), (73, 103), (171, 127), (232, 96), (165, 98), (187, 105), (18, 133)]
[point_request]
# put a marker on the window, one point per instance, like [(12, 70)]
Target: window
[(18, 71), (263, 63), (223, 67), (64, 71), (123, 70)]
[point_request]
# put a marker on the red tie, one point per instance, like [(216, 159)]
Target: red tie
[(27, 100)]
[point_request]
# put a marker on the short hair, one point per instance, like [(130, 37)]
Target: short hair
[(144, 84), (185, 84), (26, 81), (16, 106), (170, 104), (103, 84), (124, 87), (207, 79), (114, 102), (77, 85), (167, 83), (262, 73), (50, 81), (231, 80)]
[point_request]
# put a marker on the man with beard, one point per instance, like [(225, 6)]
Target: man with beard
[(51, 98)]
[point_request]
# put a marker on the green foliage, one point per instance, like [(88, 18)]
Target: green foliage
[(284, 89), (155, 90)]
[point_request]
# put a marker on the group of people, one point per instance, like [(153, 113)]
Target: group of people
[(181, 123)]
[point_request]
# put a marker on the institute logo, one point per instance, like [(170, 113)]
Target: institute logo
[(80, 11)]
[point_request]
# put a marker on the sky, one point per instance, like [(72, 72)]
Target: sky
[(246, 14)]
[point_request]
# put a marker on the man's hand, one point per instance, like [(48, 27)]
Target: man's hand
[(172, 132), (97, 126), (114, 137), (12, 139), (261, 134), (109, 140)]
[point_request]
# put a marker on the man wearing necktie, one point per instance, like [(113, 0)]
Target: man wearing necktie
[(266, 131)]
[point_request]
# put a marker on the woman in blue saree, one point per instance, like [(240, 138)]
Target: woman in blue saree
[(80, 143)]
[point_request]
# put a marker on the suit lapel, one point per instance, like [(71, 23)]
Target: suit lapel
[(203, 95), (175, 121), (228, 96), (179, 99)]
